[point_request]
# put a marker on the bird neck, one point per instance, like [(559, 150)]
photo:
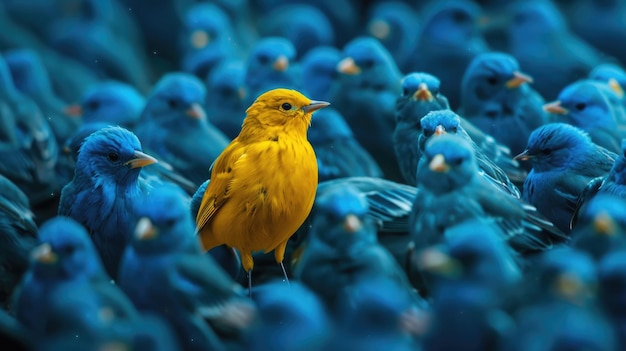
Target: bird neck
[(254, 129)]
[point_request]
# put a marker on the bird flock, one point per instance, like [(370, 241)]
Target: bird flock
[(313, 175)]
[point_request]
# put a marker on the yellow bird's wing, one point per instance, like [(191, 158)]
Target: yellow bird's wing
[(217, 192)]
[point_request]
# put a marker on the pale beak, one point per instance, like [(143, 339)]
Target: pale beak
[(141, 160), (616, 87), (438, 164), (145, 230), (200, 39), (604, 224), (44, 254), (439, 130), (281, 64), (524, 156), (379, 29), (518, 79), (314, 106), (196, 111), (348, 66), (352, 223), (555, 107), (423, 93)]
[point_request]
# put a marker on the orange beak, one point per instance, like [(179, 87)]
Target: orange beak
[(145, 230), (196, 111), (74, 110), (423, 93), (281, 64), (616, 87), (141, 160), (439, 130), (524, 156), (438, 164), (518, 79), (348, 66), (352, 223), (555, 107)]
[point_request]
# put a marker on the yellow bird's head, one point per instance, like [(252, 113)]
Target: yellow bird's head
[(282, 108)]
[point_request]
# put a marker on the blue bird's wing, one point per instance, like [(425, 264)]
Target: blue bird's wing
[(592, 188)]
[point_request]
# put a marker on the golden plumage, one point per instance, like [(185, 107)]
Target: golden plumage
[(263, 184)]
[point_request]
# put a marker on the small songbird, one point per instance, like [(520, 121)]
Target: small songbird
[(254, 208)]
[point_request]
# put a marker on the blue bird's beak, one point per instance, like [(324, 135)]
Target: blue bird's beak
[(351, 223), (434, 260), (603, 224), (44, 254), (438, 164), (348, 66), (422, 93), (616, 87), (524, 156), (199, 39), (145, 230), (314, 106), (439, 130), (379, 29), (196, 111), (555, 107), (518, 79), (75, 110), (141, 160), (281, 63)]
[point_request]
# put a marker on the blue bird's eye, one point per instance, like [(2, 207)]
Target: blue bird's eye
[(492, 80), (286, 106), (580, 106), (172, 103), (546, 151), (113, 157)]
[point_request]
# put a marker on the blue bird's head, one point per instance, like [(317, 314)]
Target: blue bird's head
[(611, 74), (226, 88), (585, 104), (66, 251), (556, 146), (491, 76), (394, 24), (452, 24), (339, 218), (606, 213), (112, 102), (420, 95), (29, 73), (165, 221), (73, 144), (268, 65), (535, 19), (329, 126), (440, 122), (366, 64), (319, 70), (420, 86), (111, 156), (448, 163), (177, 101)]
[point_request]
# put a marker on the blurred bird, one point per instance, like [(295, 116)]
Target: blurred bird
[(319, 70), (365, 94), (497, 99), (394, 24), (611, 281), (18, 236), (111, 102), (451, 191), (441, 122), (286, 21), (105, 186), (291, 318), (270, 65), (175, 128), (206, 39), (275, 199), (540, 40), (65, 268), (31, 78), (226, 97), (449, 39), (338, 153), (13, 335), (586, 105), (164, 271), (615, 77), (564, 160)]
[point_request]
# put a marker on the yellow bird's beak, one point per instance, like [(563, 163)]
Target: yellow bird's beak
[(518, 79), (196, 111), (348, 66), (423, 93), (438, 164), (145, 230), (44, 254), (555, 107), (314, 106), (281, 64), (141, 160)]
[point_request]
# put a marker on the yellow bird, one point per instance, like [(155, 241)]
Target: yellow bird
[(263, 184)]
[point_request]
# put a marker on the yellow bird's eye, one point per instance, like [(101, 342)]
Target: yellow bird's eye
[(286, 106)]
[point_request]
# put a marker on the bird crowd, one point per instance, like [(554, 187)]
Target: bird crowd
[(313, 175)]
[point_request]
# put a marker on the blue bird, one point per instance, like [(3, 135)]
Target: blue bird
[(436, 123), (615, 77), (31, 78), (319, 71), (564, 160), (601, 227), (66, 283), (206, 39), (226, 98), (111, 102), (394, 23), (105, 186), (587, 105), (452, 191), (380, 315), (18, 236), (291, 317), (164, 271), (342, 249), (270, 65), (497, 98), (175, 128), (540, 40), (365, 94), (611, 283), (338, 153), (449, 39), (286, 21)]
